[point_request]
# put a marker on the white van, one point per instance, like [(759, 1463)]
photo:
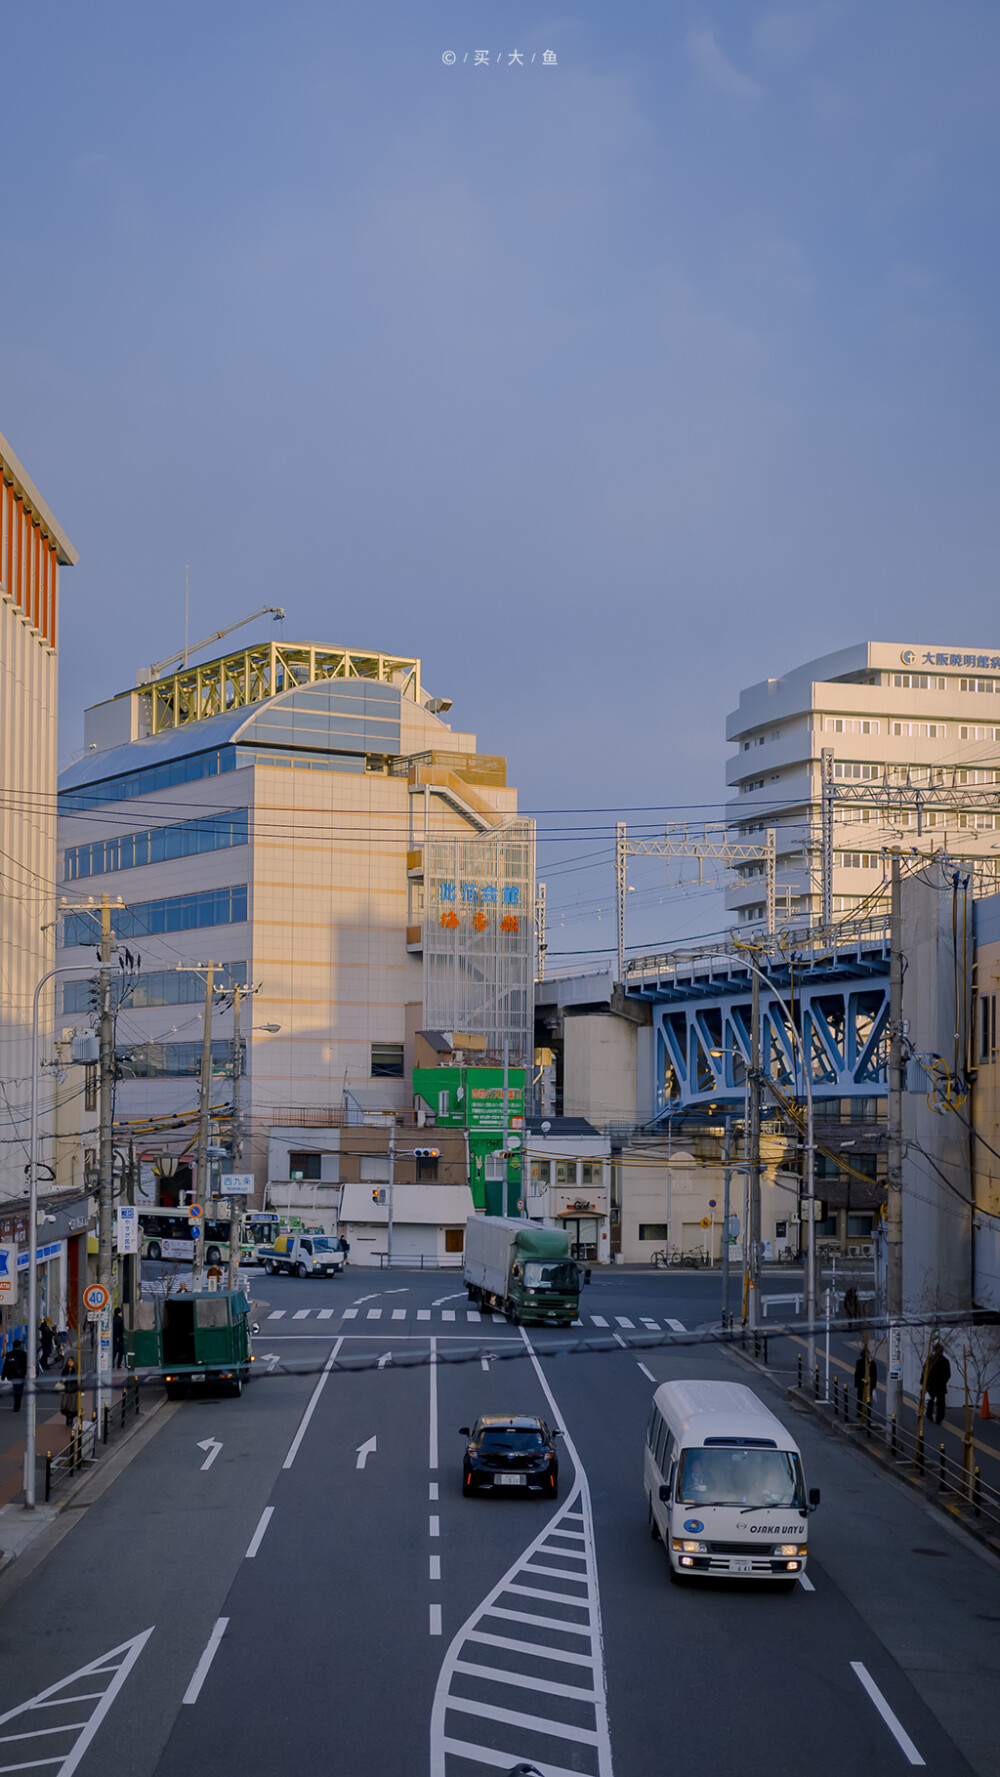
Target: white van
[(724, 1483)]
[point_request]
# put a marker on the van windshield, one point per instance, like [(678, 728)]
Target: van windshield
[(735, 1477), (561, 1275)]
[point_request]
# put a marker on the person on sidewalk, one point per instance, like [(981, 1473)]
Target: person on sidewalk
[(859, 1380), (118, 1339), (68, 1386), (15, 1369), (938, 1378), (46, 1342)]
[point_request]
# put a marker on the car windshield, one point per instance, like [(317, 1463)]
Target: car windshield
[(509, 1437), (324, 1246), (560, 1275), (740, 1477)]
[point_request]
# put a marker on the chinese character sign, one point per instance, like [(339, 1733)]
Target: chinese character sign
[(479, 936)]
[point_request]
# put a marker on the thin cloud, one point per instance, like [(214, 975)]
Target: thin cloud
[(717, 69)]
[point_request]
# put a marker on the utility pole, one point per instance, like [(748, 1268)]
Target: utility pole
[(202, 1193), (233, 1267), (894, 1176), (620, 890), (726, 1177), (105, 1215), (392, 1180), (753, 1156)]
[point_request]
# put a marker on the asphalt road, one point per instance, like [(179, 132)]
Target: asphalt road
[(294, 1602)]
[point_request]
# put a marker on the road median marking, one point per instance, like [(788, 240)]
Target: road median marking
[(891, 1720), (258, 1535), (200, 1672)]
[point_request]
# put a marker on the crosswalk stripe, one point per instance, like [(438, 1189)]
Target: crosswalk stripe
[(301, 1314), (502, 1318), (326, 1314), (350, 1314), (653, 1325), (374, 1314), (676, 1326), (423, 1314), (598, 1320), (277, 1314), (623, 1320), (473, 1314), (447, 1314), (399, 1314)]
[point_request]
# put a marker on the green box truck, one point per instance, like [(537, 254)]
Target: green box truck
[(522, 1268)]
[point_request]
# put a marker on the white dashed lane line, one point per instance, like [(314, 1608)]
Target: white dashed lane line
[(647, 1373), (891, 1720)]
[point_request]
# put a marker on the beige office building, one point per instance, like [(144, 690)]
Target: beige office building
[(33, 547), (303, 816), (918, 723)]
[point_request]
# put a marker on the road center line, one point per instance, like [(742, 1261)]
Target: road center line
[(647, 1373), (892, 1721), (258, 1536), (432, 1460), (200, 1673), (293, 1448)]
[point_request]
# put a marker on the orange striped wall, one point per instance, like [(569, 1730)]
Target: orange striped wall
[(29, 568)]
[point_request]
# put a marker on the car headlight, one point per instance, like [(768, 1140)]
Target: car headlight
[(695, 1548)]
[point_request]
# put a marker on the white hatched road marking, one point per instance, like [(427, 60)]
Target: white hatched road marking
[(623, 1320), (472, 1715), (676, 1326), (598, 1320), (117, 1665), (653, 1325)]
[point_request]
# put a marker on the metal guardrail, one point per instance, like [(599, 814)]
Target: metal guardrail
[(419, 1262), (87, 1438)]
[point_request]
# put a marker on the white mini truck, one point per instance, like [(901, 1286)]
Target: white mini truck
[(725, 1486)]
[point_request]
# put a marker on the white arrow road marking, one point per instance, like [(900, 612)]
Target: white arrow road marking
[(213, 1447), (386, 1358), (200, 1672), (270, 1358), (110, 1672), (366, 1450)]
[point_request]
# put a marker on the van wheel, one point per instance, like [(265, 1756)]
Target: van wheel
[(654, 1528)]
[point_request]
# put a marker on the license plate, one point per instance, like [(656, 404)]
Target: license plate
[(511, 1480), (741, 1567)]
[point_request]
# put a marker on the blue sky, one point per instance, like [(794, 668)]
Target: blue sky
[(607, 387)]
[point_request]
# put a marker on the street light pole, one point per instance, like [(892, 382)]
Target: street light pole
[(202, 1194), (726, 1176), (233, 1267)]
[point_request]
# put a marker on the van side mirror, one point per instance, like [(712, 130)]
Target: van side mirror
[(664, 1493), (463, 1431), (813, 1498), (255, 1327), (558, 1432)]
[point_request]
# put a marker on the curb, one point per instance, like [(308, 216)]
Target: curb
[(875, 1449)]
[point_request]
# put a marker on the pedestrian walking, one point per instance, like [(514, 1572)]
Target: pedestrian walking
[(68, 1385), (865, 1370), (118, 1339), (938, 1378), (46, 1342), (15, 1369)]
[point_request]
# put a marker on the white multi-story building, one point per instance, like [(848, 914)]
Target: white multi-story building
[(913, 722), (273, 810), (33, 547)]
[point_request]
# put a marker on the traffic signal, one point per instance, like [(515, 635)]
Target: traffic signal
[(378, 1194), (427, 1153)]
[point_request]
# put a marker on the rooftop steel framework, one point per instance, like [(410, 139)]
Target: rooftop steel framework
[(251, 675)]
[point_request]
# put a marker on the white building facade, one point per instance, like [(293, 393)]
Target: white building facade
[(902, 718), (270, 811), (33, 548)]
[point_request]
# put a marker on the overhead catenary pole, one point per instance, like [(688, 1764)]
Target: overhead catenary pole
[(202, 1192), (726, 1180), (753, 1156), (620, 856), (233, 1267), (894, 1167), (106, 1160)]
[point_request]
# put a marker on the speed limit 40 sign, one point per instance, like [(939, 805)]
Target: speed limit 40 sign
[(95, 1298)]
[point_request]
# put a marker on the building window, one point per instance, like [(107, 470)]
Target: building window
[(565, 1172), (182, 913), (144, 783), (855, 768), (161, 987), (860, 860), (427, 1168), (454, 1240), (652, 1230), (859, 1227), (305, 1166), (540, 1175), (915, 681), (987, 1027), (853, 725), (828, 1226), (494, 1166), (754, 783), (163, 1061), (374, 1168), (157, 845), (978, 684), (444, 1103), (591, 1172), (387, 1061)]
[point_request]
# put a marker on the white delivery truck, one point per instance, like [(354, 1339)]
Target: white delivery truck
[(303, 1255), (724, 1483)]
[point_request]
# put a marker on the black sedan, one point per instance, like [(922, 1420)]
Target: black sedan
[(509, 1451)]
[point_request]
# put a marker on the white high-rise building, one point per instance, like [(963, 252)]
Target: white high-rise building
[(906, 718), (33, 547)]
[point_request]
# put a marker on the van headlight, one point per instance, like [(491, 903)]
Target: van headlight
[(793, 1548), (695, 1548)]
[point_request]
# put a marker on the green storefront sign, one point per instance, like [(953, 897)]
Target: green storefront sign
[(472, 1098)]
